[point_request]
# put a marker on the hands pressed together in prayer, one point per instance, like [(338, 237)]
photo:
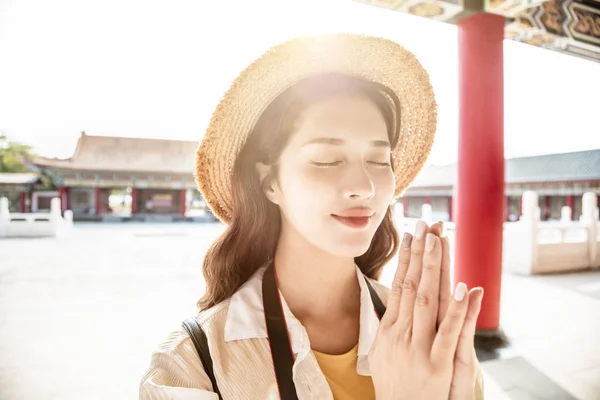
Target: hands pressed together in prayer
[(424, 347)]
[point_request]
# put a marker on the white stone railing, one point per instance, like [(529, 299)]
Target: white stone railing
[(50, 224), (531, 246), (535, 247), (406, 224)]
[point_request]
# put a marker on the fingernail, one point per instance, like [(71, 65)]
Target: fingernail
[(406, 240), (478, 290), (420, 230), (460, 291), (430, 242)]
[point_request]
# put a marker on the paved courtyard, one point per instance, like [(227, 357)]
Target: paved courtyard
[(80, 316)]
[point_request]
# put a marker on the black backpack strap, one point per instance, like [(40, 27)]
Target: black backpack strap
[(198, 337), (379, 307), (279, 341)]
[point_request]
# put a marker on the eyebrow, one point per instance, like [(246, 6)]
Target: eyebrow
[(339, 142)]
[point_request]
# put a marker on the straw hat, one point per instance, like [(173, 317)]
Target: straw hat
[(375, 59)]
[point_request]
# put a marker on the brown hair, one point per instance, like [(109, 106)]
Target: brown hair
[(251, 238)]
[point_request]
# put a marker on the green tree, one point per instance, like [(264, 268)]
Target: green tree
[(12, 155)]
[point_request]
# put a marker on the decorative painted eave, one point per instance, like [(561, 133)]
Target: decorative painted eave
[(567, 26)]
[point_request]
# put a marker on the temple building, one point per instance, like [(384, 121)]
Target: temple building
[(559, 179), (18, 189), (125, 178)]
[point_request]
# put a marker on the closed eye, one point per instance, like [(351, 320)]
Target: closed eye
[(326, 165), (379, 164)]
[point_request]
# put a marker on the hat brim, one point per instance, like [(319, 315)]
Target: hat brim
[(372, 58)]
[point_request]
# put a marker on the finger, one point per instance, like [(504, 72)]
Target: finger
[(393, 305), (445, 282), (412, 278), (437, 229), (426, 303), (466, 341), (446, 339)]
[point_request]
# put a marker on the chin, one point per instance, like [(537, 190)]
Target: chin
[(354, 247)]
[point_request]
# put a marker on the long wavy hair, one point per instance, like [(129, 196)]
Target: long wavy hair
[(250, 240)]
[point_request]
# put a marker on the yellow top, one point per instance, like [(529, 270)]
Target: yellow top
[(344, 381)]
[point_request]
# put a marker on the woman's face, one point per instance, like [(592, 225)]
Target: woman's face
[(335, 180)]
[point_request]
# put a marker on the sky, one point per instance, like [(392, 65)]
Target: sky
[(146, 68)]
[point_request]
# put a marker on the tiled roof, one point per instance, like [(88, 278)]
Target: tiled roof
[(576, 166), (104, 153), (581, 165)]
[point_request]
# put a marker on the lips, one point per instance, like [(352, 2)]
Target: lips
[(357, 217), (353, 222), (356, 212)]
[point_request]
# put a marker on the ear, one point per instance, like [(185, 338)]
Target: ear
[(263, 171)]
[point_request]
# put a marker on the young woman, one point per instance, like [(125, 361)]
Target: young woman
[(302, 159)]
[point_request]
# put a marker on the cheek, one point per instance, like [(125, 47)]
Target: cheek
[(385, 185), (308, 188), (307, 195)]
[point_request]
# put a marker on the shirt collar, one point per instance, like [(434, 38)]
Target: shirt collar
[(246, 319)]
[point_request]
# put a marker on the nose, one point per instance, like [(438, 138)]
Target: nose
[(358, 184)]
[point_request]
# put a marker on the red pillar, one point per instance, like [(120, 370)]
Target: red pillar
[(480, 205), (62, 195), (133, 200), (571, 205), (23, 203), (547, 202), (427, 199), (450, 213), (97, 200), (182, 201), (405, 205)]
